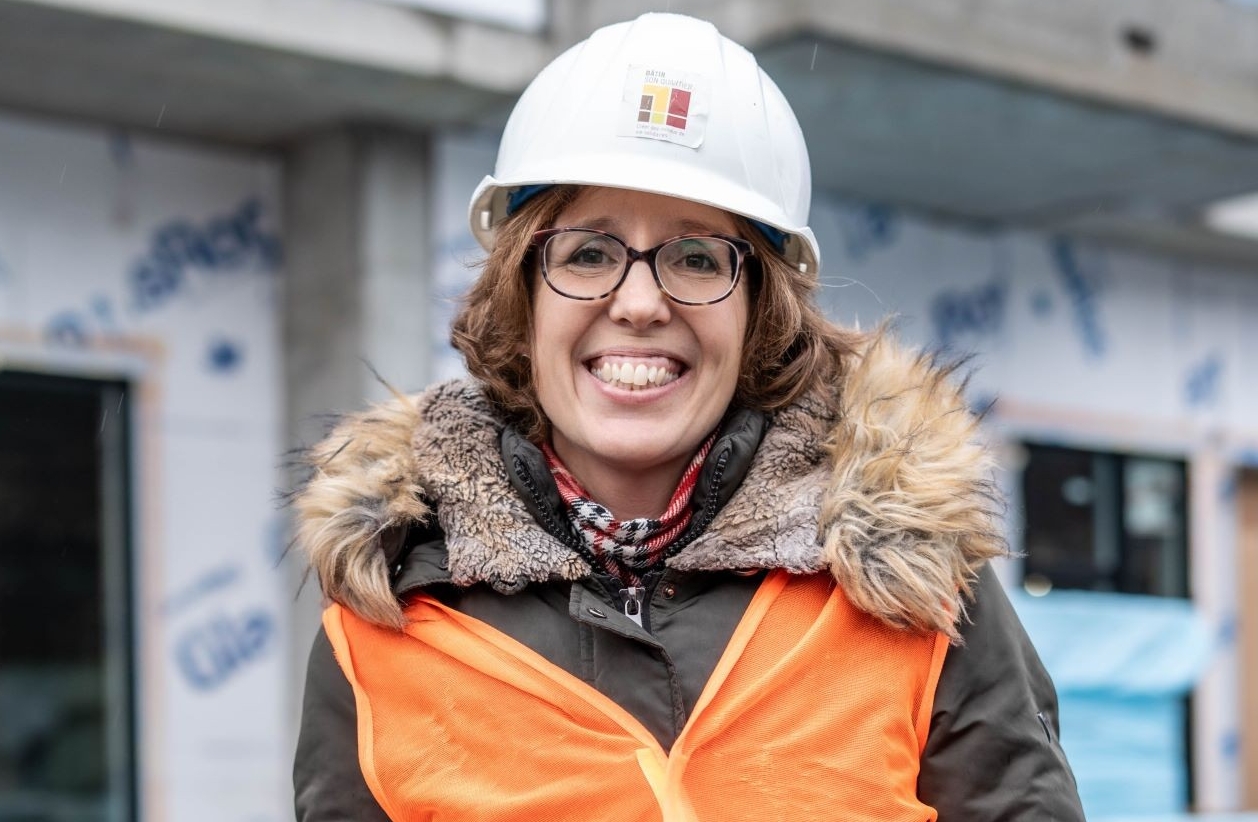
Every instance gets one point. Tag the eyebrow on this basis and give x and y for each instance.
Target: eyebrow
(683, 226)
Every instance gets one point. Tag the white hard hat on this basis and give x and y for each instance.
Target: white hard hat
(663, 104)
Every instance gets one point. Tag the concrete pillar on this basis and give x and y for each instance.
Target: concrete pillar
(357, 233)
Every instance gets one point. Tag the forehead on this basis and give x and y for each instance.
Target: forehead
(622, 210)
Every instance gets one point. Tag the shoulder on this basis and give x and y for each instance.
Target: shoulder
(993, 751)
(377, 475)
(883, 480)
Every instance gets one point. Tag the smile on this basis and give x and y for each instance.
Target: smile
(634, 374)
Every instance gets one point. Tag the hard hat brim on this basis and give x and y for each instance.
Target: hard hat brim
(672, 179)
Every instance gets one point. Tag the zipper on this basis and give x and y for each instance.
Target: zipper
(631, 601)
(635, 601)
(560, 533)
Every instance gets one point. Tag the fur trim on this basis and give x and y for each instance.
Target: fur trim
(370, 481)
(910, 513)
(771, 520)
(888, 489)
(364, 488)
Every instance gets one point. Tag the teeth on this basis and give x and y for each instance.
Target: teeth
(630, 375)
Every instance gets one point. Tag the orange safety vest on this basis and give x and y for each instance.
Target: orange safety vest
(815, 710)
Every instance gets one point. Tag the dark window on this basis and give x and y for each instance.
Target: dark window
(66, 672)
(1104, 522)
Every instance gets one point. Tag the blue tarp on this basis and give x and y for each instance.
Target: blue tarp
(1122, 665)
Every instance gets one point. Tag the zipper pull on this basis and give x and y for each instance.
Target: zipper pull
(632, 600)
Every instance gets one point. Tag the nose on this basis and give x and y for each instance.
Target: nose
(639, 300)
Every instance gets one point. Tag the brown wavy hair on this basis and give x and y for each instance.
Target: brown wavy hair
(790, 350)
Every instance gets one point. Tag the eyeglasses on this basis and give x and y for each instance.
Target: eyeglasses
(693, 269)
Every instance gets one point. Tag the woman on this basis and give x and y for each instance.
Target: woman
(681, 548)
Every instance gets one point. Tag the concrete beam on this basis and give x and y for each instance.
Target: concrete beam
(253, 73)
(364, 34)
(1196, 62)
(271, 70)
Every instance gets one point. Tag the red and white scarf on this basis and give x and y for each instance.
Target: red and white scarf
(627, 548)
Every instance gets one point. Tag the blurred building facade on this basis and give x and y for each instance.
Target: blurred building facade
(217, 220)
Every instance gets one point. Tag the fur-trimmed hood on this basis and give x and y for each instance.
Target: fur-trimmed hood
(888, 489)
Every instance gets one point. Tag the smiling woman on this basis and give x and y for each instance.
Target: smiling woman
(680, 548)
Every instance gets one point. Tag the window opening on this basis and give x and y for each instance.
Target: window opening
(1104, 521)
(66, 666)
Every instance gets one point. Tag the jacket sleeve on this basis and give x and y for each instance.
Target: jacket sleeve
(328, 783)
(993, 751)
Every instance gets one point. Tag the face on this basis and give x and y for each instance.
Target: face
(605, 428)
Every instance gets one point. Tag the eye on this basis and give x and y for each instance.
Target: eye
(697, 257)
(698, 261)
(589, 255)
(583, 252)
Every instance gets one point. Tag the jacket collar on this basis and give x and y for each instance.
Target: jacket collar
(727, 464)
(886, 487)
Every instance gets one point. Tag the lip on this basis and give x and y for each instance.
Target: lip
(634, 396)
(651, 356)
(629, 353)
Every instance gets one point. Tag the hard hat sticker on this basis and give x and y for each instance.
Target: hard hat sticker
(659, 104)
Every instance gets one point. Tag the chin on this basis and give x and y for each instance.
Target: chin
(640, 452)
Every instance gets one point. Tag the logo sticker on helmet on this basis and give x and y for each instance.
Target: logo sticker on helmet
(659, 104)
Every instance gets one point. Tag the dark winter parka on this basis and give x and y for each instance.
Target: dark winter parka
(887, 489)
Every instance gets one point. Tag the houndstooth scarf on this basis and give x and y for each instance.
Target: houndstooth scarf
(628, 548)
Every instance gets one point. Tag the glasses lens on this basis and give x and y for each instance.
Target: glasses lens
(698, 269)
(582, 263)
